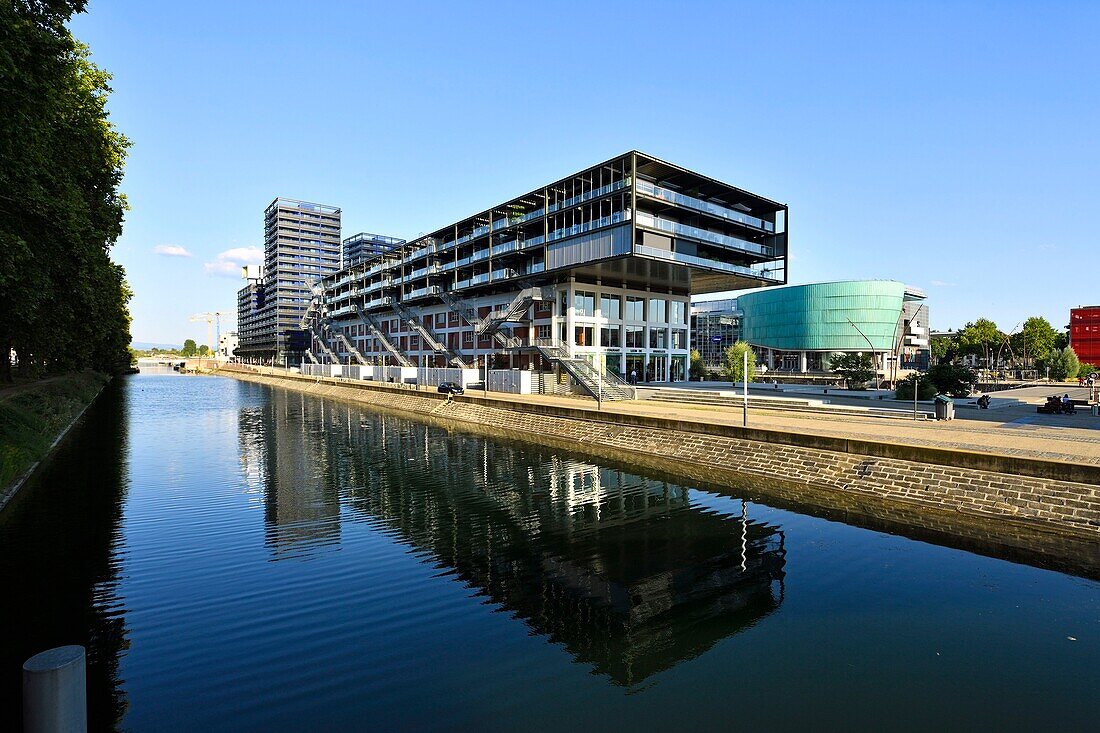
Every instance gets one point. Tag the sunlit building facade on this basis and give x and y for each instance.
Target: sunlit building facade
(593, 274)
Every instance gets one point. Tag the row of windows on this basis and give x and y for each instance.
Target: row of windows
(632, 337)
(658, 310)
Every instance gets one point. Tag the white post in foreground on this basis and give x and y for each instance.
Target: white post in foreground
(54, 691)
(745, 378)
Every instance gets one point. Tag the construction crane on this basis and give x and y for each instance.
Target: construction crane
(211, 318)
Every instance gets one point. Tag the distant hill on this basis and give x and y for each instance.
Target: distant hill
(143, 345)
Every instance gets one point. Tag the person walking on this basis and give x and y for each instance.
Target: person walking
(634, 376)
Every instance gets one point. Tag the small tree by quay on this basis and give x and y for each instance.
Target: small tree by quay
(189, 348)
(855, 369)
(953, 379)
(733, 362)
(1063, 364)
(926, 391)
(697, 370)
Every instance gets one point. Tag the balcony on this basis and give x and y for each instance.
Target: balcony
(595, 193)
(690, 202)
(423, 292)
(722, 240)
(757, 272)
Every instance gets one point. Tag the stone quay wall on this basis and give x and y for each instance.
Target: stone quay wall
(1038, 494)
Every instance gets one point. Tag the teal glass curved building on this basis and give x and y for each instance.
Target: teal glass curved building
(796, 328)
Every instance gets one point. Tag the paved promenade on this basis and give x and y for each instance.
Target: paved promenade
(1014, 431)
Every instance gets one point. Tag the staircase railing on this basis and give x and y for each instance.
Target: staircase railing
(515, 310)
(376, 331)
(430, 337)
(469, 315)
(600, 384)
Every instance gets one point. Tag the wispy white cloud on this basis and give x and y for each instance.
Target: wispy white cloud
(222, 269)
(229, 262)
(171, 250)
(244, 255)
(941, 284)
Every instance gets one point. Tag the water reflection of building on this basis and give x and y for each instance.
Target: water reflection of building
(282, 456)
(625, 572)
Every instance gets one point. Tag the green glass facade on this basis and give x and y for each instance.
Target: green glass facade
(816, 317)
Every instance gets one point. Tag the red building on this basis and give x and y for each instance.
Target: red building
(1084, 333)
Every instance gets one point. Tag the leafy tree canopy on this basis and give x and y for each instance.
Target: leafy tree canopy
(733, 362)
(855, 369)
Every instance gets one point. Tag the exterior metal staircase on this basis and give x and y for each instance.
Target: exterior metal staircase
(349, 346)
(412, 317)
(601, 385)
(375, 331)
(319, 336)
(468, 314)
(514, 311)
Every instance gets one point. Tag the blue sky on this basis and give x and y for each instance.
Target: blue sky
(950, 145)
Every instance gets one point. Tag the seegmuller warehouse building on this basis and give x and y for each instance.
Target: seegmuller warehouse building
(593, 272)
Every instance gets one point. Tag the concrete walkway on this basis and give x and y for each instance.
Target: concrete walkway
(1014, 431)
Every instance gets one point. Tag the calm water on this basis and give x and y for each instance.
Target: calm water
(242, 558)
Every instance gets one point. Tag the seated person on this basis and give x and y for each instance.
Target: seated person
(1067, 405)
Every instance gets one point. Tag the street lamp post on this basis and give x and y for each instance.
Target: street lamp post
(874, 354)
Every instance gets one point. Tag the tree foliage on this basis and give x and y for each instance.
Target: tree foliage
(697, 369)
(980, 338)
(1063, 364)
(733, 363)
(952, 379)
(189, 348)
(64, 302)
(1036, 338)
(855, 369)
(925, 391)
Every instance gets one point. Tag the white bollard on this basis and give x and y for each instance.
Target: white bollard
(54, 691)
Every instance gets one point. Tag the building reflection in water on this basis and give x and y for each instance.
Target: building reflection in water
(626, 573)
(286, 457)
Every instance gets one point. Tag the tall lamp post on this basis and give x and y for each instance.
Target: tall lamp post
(874, 354)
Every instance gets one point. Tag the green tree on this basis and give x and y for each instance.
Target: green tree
(944, 348)
(189, 348)
(980, 338)
(733, 362)
(1036, 338)
(204, 350)
(697, 370)
(64, 303)
(953, 379)
(855, 369)
(1063, 364)
(926, 391)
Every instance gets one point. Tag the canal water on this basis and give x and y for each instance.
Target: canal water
(237, 557)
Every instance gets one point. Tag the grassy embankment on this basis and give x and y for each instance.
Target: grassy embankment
(33, 414)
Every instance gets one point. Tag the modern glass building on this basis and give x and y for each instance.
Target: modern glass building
(796, 328)
(589, 274)
(301, 246)
(363, 246)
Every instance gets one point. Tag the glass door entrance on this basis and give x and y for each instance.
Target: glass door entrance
(635, 364)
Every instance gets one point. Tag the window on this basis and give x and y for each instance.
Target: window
(611, 337)
(468, 339)
(543, 332)
(563, 303)
(584, 303)
(582, 336)
(677, 312)
(635, 337)
(611, 307)
(679, 338)
(635, 308)
(658, 310)
(657, 338)
(562, 332)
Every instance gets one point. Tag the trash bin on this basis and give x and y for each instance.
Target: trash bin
(945, 407)
(1095, 410)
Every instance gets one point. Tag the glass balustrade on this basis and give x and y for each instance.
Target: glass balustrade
(706, 207)
(753, 271)
(695, 232)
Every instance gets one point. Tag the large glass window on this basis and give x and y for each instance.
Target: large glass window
(611, 307)
(657, 338)
(611, 337)
(658, 310)
(584, 303)
(563, 303)
(582, 336)
(635, 308)
(543, 332)
(677, 312)
(635, 337)
(679, 338)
